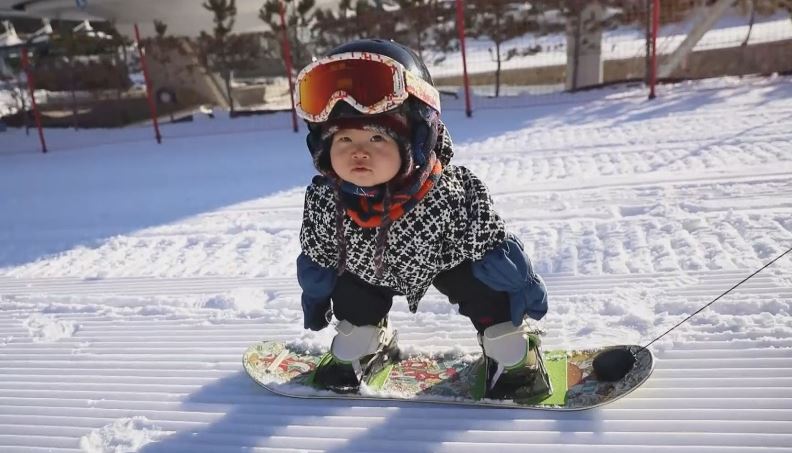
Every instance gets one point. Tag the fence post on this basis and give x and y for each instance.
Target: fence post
(288, 61)
(152, 105)
(32, 88)
(460, 23)
(648, 42)
(655, 26)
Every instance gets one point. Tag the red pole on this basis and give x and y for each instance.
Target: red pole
(288, 60)
(655, 26)
(152, 105)
(460, 23)
(32, 88)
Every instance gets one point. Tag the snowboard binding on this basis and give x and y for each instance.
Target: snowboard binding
(358, 354)
(513, 364)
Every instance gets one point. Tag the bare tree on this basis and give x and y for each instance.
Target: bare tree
(499, 21)
(162, 47)
(299, 18)
(377, 21)
(353, 20)
(445, 36)
(416, 20)
(336, 26)
(71, 42)
(215, 48)
(117, 58)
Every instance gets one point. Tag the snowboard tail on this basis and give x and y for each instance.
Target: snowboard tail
(287, 369)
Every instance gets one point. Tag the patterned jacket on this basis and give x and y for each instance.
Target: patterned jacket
(454, 222)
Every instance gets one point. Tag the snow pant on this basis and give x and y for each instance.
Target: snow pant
(361, 303)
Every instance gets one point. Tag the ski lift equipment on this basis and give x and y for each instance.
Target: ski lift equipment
(43, 33)
(11, 42)
(83, 26)
(9, 37)
(86, 28)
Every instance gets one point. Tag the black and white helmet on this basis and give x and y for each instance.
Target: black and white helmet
(423, 120)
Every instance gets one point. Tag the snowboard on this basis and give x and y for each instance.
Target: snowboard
(287, 369)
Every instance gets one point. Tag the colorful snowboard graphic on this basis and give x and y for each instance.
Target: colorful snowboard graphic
(287, 370)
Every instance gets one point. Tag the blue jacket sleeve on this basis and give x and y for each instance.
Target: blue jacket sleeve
(507, 268)
(317, 283)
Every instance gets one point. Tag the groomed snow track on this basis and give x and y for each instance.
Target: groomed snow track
(714, 393)
(128, 336)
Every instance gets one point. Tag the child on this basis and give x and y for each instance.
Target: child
(390, 215)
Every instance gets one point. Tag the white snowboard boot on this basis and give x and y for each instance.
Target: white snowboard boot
(356, 353)
(513, 362)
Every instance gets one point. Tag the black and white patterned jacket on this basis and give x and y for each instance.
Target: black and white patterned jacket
(454, 222)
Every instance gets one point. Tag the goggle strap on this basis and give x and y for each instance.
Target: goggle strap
(422, 90)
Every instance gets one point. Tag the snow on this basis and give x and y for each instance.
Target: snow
(133, 276)
(123, 435)
(47, 329)
(622, 42)
(7, 101)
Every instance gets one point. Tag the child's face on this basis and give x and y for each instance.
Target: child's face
(364, 158)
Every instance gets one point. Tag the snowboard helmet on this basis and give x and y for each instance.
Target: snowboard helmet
(362, 80)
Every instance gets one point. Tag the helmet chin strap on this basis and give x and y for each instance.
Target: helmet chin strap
(368, 192)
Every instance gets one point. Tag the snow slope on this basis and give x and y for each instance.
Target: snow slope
(132, 277)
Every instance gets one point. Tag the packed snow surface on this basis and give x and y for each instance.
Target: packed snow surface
(133, 276)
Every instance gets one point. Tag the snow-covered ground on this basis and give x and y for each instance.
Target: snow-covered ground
(133, 275)
(7, 101)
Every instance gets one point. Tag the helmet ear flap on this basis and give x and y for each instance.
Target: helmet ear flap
(424, 124)
(319, 148)
(314, 139)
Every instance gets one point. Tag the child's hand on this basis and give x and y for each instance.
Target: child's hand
(317, 283)
(530, 301)
(315, 312)
(507, 268)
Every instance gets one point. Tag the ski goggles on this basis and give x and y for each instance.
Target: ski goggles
(369, 82)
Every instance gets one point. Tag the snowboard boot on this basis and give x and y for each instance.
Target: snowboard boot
(358, 354)
(513, 363)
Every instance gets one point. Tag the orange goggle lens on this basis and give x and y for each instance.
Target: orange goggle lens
(367, 81)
